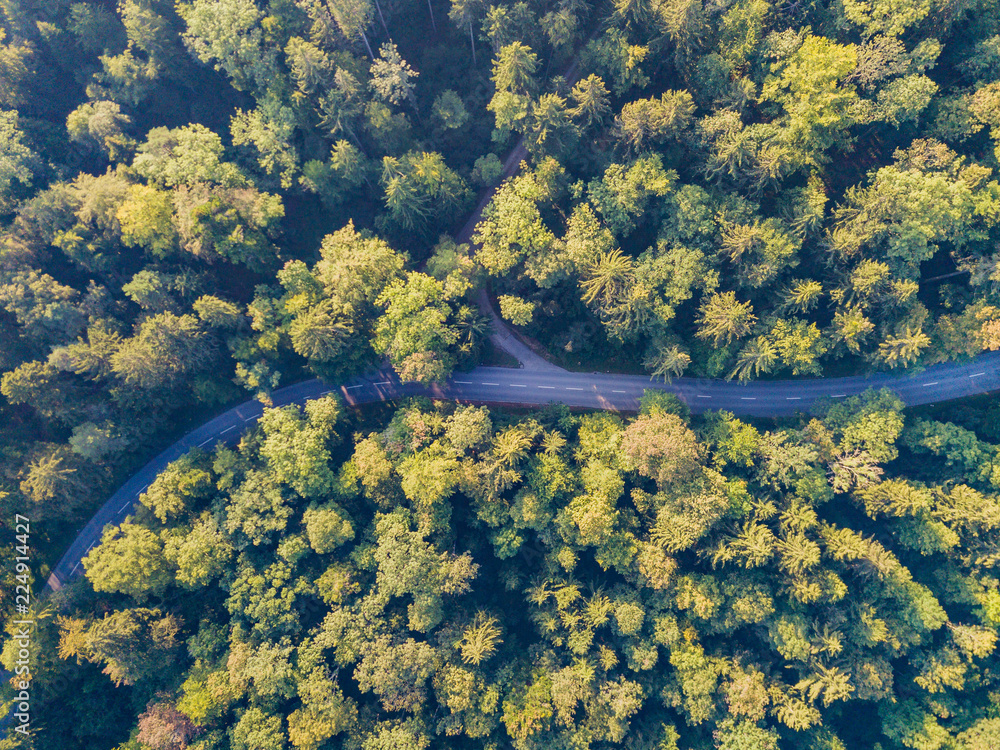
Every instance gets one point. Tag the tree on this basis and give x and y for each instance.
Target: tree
(392, 77)
(257, 729)
(648, 121)
(667, 362)
(409, 566)
(133, 644)
(661, 447)
(903, 349)
(98, 124)
(818, 107)
(450, 110)
(414, 330)
(229, 33)
(270, 129)
(464, 13)
(166, 349)
(163, 727)
(129, 560)
(295, 446)
(550, 129)
(480, 639)
(514, 70)
(146, 220)
(591, 106)
(182, 156)
(722, 318)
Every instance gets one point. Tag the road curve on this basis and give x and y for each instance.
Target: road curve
(496, 385)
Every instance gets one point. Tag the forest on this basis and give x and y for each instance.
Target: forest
(447, 576)
(204, 200)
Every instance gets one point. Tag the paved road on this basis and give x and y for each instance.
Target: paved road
(495, 385)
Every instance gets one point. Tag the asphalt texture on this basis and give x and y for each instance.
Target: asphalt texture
(537, 387)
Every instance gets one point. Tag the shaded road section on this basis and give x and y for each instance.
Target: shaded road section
(537, 387)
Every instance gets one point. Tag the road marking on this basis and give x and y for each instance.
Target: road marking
(352, 387)
(141, 491)
(384, 382)
(619, 391)
(748, 398)
(203, 443)
(977, 375)
(228, 429)
(574, 389)
(75, 567)
(703, 397)
(518, 385)
(91, 546)
(462, 382)
(839, 395)
(928, 385)
(547, 387)
(250, 419)
(125, 506)
(793, 398)
(489, 384)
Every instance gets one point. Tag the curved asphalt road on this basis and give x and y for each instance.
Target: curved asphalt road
(496, 385)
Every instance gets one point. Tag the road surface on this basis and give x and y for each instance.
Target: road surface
(537, 387)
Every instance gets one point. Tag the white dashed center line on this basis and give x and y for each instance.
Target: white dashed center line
(619, 391)
(125, 506)
(462, 382)
(228, 429)
(793, 398)
(928, 385)
(547, 387)
(489, 384)
(748, 398)
(74, 568)
(384, 382)
(977, 375)
(703, 397)
(838, 395)
(203, 443)
(352, 387)
(574, 389)
(517, 385)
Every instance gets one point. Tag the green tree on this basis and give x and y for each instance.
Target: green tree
(129, 560)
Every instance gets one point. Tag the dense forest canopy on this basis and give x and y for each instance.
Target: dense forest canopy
(453, 577)
(205, 199)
